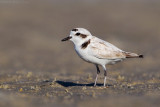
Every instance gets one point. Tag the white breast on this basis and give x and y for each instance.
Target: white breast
(83, 53)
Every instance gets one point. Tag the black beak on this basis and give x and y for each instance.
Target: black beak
(67, 38)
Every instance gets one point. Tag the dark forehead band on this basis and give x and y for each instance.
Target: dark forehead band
(75, 30)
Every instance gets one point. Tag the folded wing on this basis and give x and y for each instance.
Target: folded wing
(104, 50)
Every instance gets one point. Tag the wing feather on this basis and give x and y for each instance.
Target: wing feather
(104, 50)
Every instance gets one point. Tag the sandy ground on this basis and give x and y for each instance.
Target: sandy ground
(37, 69)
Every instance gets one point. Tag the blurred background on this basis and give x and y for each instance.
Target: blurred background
(31, 50)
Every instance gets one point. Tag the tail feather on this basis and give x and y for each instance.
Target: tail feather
(132, 55)
(140, 56)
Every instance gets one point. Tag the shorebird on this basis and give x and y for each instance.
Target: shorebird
(97, 51)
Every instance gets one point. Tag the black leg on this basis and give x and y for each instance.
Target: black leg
(105, 75)
(98, 71)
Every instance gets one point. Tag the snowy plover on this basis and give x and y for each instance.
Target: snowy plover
(97, 51)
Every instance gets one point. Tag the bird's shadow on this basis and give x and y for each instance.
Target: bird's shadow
(70, 84)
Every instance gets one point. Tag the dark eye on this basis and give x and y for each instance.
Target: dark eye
(78, 34)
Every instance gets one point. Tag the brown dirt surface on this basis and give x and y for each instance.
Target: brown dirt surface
(37, 69)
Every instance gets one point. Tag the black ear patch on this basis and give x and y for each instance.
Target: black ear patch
(75, 30)
(78, 34)
(83, 35)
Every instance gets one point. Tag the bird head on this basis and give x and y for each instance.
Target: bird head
(78, 35)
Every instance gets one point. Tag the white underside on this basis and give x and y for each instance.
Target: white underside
(83, 53)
